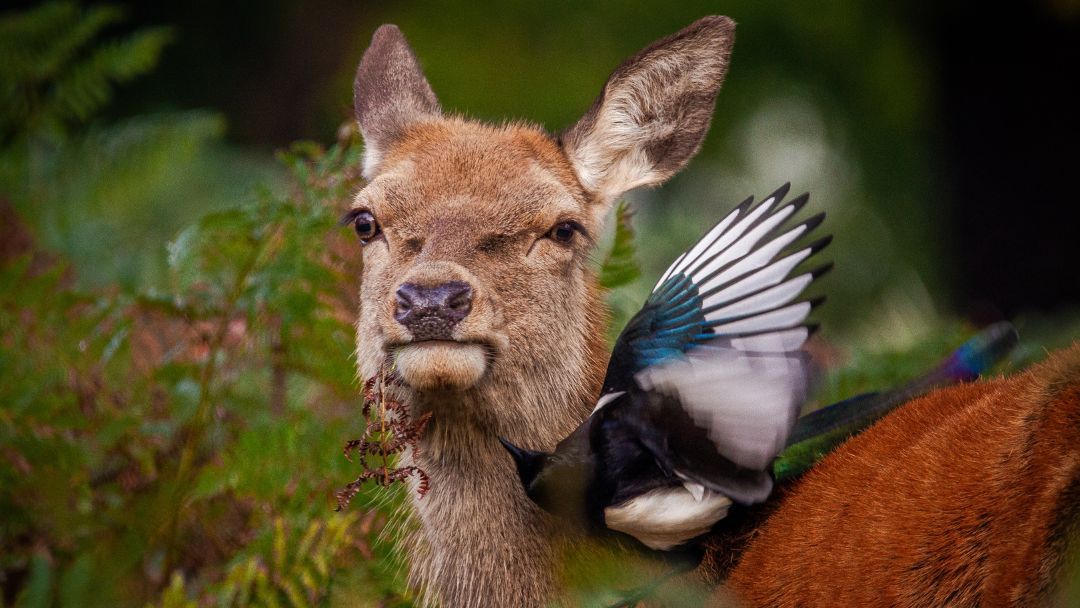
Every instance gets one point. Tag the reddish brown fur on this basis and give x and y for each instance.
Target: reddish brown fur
(965, 497)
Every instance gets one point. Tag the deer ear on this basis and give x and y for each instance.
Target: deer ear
(653, 112)
(389, 93)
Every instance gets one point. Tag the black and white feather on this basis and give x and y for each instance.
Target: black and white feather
(734, 283)
(703, 388)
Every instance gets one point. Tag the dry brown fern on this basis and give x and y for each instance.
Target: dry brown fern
(388, 432)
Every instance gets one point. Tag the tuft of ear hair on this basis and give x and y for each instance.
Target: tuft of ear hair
(653, 112)
(389, 93)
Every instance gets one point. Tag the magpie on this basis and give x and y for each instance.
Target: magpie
(704, 386)
(702, 390)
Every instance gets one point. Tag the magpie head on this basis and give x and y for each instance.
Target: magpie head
(529, 464)
(558, 482)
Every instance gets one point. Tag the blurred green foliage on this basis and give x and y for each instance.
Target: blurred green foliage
(620, 269)
(189, 436)
(171, 417)
(91, 190)
(620, 266)
(179, 443)
(58, 74)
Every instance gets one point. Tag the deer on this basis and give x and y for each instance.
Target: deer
(476, 291)
(476, 286)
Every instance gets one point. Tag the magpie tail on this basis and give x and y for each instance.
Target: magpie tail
(818, 432)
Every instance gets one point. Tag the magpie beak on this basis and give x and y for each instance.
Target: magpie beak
(529, 463)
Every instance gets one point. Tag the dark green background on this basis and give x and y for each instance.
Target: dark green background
(938, 136)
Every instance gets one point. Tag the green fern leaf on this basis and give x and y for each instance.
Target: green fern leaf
(70, 32)
(88, 85)
(620, 267)
(54, 73)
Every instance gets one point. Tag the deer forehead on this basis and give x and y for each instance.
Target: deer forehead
(508, 179)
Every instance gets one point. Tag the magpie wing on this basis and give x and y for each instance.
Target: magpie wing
(820, 431)
(719, 415)
(733, 283)
(714, 360)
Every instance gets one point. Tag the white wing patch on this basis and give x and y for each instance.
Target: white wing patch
(667, 517)
(606, 399)
(747, 402)
(715, 275)
(694, 252)
(744, 287)
(776, 319)
(721, 257)
(731, 238)
(773, 342)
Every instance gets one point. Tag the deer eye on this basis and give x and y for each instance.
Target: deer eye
(563, 232)
(365, 225)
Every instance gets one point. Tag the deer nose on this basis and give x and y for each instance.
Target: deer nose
(430, 313)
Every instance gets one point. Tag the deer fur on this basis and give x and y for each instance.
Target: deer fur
(460, 200)
(965, 497)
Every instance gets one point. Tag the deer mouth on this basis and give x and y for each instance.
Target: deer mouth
(440, 365)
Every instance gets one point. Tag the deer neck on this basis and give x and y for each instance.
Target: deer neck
(479, 543)
(480, 540)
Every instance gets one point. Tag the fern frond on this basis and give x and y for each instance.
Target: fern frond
(55, 74)
(68, 37)
(620, 266)
(87, 85)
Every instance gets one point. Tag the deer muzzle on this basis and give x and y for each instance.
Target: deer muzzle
(437, 357)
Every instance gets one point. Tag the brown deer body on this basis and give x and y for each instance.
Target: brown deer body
(965, 497)
(476, 290)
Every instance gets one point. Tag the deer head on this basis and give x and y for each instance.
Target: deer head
(475, 282)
